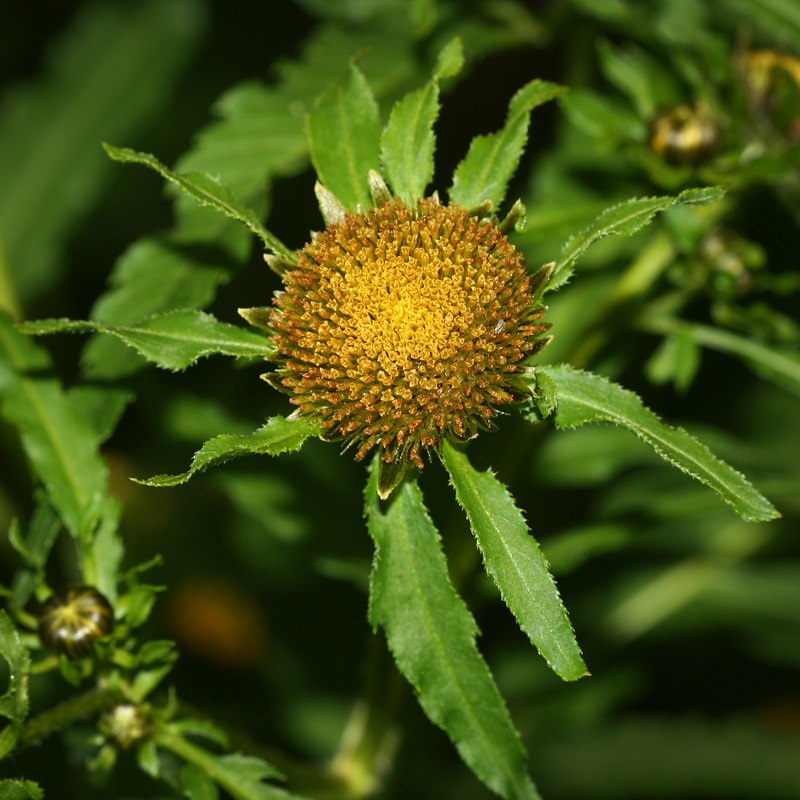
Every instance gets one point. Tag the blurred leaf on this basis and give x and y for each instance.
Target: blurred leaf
(676, 360)
(205, 190)
(584, 397)
(512, 557)
(196, 784)
(648, 82)
(60, 445)
(625, 219)
(110, 73)
(344, 135)
(43, 530)
(408, 142)
(279, 435)
(492, 160)
(779, 364)
(101, 406)
(778, 18)
(607, 121)
(655, 757)
(174, 340)
(432, 637)
(20, 790)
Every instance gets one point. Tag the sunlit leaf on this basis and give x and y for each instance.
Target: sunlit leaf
(512, 557)
(584, 397)
(432, 637)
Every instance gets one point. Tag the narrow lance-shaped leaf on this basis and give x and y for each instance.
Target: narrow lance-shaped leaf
(279, 435)
(584, 397)
(344, 135)
(492, 160)
(432, 637)
(625, 219)
(61, 446)
(174, 340)
(205, 190)
(513, 558)
(408, 142)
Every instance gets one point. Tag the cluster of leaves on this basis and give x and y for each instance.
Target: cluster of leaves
(694, 571)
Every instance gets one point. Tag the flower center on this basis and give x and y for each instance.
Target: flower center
(401, 310)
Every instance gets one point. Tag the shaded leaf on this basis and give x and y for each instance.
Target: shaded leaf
(491, 161)
(432, 637)
(205, 190)
(344, 135)
(779, 364)
(584, 397)
(173, 340)
(512, 557)
(279, 435)
(59, 443)
(109, 74)
(625, 219)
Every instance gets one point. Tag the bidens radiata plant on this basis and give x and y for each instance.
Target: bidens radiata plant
(407, 325)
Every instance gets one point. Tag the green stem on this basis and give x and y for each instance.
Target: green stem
(9, 301)
(372, 734)
(88, 704)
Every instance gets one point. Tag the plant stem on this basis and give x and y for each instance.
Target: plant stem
(371, 736)
(47, 723)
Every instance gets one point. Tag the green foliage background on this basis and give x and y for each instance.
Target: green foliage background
(687, 615)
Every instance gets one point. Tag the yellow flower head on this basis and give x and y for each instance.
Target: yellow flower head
(400, 326)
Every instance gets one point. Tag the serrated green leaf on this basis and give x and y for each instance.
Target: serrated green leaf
(109, 74)
(20, 790)
(408, 143)
(432, 637)
(205, 190)
(279, 435)
(174, 340)
(625, 219)
(152, 276)
(513, 559)
(450, 60)
(60, 445)
(344, 135)
(491, 160)
(14, 703)
(584, 397)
